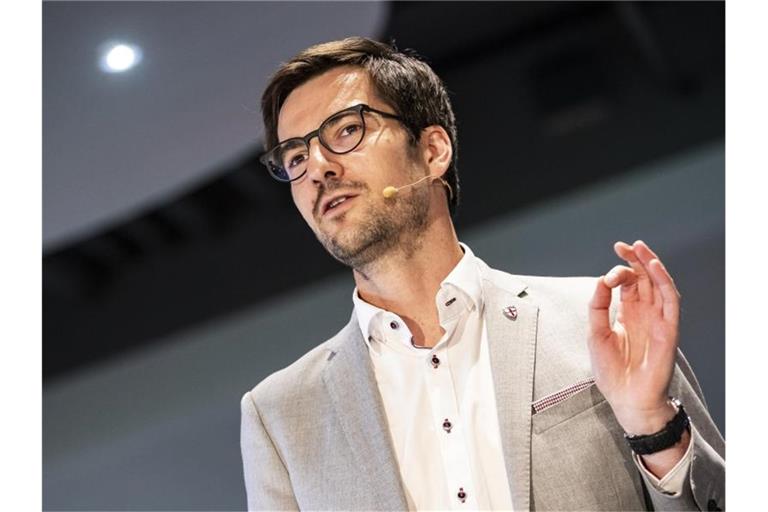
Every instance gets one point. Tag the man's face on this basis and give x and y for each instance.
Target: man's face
(366, 225)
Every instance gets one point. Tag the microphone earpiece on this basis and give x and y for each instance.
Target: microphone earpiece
(389, 192)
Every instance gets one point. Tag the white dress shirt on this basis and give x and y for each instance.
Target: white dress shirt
(440, 402)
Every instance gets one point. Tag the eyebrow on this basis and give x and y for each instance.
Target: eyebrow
(332, 121)
(326, 118)
(294, 141)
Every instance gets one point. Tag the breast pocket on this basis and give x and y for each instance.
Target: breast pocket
(568, 403)
(579, 459)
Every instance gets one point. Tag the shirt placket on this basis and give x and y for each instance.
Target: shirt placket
(450, 431)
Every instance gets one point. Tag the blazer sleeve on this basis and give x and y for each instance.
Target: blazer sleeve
(267, 482)
(704, 487)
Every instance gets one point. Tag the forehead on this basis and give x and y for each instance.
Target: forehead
(312, 102)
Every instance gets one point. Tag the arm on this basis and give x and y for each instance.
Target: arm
(704, 483)
(267, 482)
(633, 360)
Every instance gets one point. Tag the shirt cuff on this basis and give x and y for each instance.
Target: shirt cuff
(671, 483)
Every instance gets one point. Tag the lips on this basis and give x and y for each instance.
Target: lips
(330, 204)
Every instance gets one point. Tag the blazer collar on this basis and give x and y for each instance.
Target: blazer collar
(352, 387)
(511, 321)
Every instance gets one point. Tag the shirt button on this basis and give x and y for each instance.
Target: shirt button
(447, 425)
(394, 325)
(435, 361)
(462, 495)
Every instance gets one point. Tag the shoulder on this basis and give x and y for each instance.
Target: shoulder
(299, 381)
(562, 305)
(543, 291)
(562, 324)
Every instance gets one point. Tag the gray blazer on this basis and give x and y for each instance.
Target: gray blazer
(314, 435)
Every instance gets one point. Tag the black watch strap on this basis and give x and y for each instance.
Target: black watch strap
(666, 437)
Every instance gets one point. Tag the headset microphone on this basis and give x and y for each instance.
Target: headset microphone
(392, 191)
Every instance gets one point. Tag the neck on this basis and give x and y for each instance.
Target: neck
(406, 280)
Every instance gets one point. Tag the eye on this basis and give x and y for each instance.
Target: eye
(296, 160)
(343, 127)
(350, 129)
(293, 156)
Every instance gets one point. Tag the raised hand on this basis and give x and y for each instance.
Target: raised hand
(634, 358)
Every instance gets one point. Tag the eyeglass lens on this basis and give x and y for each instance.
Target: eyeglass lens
(340, 134)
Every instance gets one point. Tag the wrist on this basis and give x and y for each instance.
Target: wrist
(660, 463)
(645, 421)
(667, 437)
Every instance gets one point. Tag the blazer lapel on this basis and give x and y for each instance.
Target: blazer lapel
(511, 323)
(357, 403)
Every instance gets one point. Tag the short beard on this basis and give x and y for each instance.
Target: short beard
(393, 227)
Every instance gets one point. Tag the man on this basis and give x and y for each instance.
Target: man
(456, 386)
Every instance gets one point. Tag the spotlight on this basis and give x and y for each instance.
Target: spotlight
(119, 57)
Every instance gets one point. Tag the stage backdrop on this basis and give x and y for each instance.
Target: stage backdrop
(160, 429)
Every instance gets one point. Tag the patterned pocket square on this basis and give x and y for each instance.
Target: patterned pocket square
(558, 396)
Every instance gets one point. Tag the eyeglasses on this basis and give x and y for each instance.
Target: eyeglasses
(341, 133)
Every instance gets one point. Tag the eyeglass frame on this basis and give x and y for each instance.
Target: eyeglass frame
(360, 108)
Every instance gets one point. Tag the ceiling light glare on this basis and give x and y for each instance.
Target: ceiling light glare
(120, 57)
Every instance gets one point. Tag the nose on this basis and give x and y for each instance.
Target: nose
(321, 164)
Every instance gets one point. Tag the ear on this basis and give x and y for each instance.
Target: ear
(436, 149)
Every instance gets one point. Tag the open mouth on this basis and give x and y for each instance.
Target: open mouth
(337, 204)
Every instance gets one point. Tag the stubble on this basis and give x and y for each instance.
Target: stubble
(385, 227)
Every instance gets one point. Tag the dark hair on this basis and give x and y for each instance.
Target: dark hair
(400, 78)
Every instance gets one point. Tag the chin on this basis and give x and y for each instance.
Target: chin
(373, 231)
(354, 248)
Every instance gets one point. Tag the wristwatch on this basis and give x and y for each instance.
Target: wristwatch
(664, 438)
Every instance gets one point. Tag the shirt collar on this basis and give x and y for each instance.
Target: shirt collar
(462, 283)
(365, 313)
(465, 278)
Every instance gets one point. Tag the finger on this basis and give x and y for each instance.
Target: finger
(658, 301)
(599, 321)
(670, 297)
(646, 256)
(644, 252)
(644, 285)
(627, 279)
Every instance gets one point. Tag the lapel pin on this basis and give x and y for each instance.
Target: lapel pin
(510, 312)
